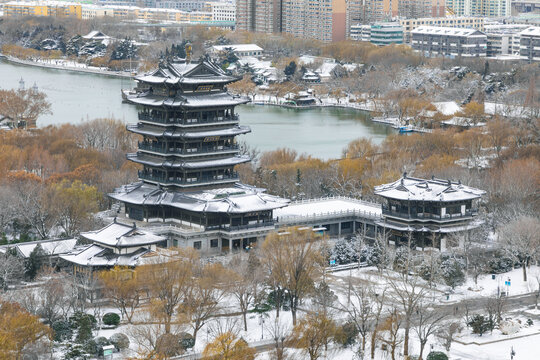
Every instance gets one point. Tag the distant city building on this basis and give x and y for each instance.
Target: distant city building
(386, 33)
(488, 8)
(184, 5)
(50, 8)
(525, 6)
(452, 21)
(315, 19)
(312, 19)
(240, 50)
(264, 16)
(221, 11)
(268, 16)
(451, 42)
(245, 15)
(370, 11)
(504, 39)
(90, 11)
(360, 32)
(363, 12)
(141, 3)
(530, 44)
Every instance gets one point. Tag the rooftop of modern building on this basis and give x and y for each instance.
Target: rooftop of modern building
(532, 31)
(235, 199)
(449, 31)
(436, 190)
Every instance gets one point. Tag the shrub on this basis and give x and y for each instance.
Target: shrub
(345, 252)
(500, 263)
(112, 319)
(79, 317)
(84, 332)
(62, 331)
(452, 271)
(187, 340)
(479, 324)
(120, 341)
(346, 334)
(437, 355)
(91, 347)
(75, 352)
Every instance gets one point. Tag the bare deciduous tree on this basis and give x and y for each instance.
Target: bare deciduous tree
(521, 241)
(293, 258)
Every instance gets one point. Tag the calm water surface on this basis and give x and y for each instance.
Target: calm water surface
(76, 97)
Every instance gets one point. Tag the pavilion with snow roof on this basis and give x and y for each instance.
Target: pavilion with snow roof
(420, 209)
(117, 244)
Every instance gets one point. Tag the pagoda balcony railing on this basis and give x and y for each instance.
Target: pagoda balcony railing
(197, 181)
(194, 151)
(230, 228)
(187, 122)
(428, 216)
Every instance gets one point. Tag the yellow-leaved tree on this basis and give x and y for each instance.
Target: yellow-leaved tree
(122, 287)
(19, 330)
(227, 346)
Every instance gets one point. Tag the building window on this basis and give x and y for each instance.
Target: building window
(197, 245)
(214, 243)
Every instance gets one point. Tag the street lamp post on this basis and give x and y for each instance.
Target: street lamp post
(262, 326)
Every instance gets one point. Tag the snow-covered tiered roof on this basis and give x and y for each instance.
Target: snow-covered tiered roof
(236, 199)
(98, 256)
(439, 190)
(183, 72)
(193, 100)
(182, 164)
(151, 130)
(121, 235)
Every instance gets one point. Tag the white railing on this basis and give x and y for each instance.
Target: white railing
(329, 215)
(337, 197)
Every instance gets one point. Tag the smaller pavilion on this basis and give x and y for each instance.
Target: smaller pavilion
(425, 211)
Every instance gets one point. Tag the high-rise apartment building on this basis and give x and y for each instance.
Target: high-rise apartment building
(363, 12)
(263, 16)
(245, 15)
(323, 20)
(371, 11)
(268, 16)
(488, 8)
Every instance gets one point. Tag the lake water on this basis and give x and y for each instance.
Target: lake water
(76, 97)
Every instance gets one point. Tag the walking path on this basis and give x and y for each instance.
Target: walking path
(63, 65)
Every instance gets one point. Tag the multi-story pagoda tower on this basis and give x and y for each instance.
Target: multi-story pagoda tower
(188, 152)
(188, 125)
